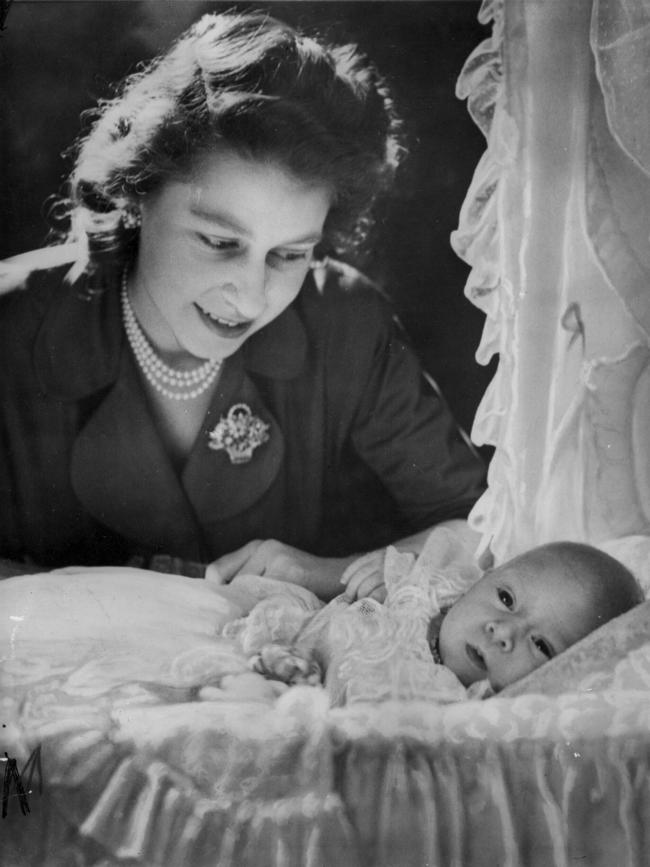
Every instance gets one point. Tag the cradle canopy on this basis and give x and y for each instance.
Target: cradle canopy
(556, 227)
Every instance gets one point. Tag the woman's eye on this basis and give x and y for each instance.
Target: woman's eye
(223, 245)
(288, 257)
(506, 598)
(543, 647)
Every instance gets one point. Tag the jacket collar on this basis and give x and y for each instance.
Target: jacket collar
(80, 343)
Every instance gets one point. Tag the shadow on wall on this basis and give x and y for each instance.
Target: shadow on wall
(57, 58)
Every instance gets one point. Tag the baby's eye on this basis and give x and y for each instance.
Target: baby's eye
(506, 597)
(544, 647)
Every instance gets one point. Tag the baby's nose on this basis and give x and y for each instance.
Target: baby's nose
(501, 634)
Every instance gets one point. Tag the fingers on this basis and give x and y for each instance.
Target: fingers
(275, 559)
(365, 577)
(364, 581)
(223, 570)
(264, 557)
(363, 562)
(368, 586)
(213, 576)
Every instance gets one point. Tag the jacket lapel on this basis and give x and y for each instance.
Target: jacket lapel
(122, 475)
(217, 487)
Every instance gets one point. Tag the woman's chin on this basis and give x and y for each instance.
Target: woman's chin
(199, 349)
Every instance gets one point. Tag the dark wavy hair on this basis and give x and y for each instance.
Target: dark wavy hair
(254, 84)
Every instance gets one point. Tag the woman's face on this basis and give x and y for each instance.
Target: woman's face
(222, 252)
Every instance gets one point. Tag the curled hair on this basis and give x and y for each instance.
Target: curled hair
(256, 85)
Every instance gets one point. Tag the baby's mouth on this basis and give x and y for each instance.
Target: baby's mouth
(475, 657)
(223, 326)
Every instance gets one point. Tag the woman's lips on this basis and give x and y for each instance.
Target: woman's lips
(227, 328)
(475, 657)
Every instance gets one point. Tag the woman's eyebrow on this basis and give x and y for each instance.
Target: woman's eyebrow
(227, 221)
(312, 238)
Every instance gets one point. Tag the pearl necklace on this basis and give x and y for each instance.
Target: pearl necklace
(188, 384)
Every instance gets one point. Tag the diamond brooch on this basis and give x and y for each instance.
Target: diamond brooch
(239, 433)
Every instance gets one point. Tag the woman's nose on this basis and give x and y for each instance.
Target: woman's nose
(246, 292)
(502, 634)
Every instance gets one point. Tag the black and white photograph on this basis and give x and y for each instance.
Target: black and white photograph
(324, 411)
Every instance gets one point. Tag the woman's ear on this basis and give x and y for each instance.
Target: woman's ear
(131, 216)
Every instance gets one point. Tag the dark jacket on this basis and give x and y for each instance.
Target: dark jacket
(361, 449)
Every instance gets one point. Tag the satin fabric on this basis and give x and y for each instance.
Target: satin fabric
(555, 226)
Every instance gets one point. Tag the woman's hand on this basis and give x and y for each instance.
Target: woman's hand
(321, 575)
(356, 576)
(365, 577)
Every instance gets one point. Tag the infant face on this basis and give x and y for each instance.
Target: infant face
(513, 620)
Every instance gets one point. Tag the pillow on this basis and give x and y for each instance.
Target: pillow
(615, 656)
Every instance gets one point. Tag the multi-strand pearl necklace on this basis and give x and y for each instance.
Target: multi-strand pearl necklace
(171, 383)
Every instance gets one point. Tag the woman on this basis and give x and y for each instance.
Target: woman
(207, 380)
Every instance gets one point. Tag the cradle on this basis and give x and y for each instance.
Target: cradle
(554, 773)
(137, 769)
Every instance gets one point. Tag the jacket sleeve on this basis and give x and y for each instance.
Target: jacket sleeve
(401, 426)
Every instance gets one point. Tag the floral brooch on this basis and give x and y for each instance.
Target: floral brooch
(239, 433)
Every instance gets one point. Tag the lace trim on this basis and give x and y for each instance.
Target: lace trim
(477, 241)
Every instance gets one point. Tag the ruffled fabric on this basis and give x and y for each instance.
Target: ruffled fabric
(555, 227)
(185, 757)
(533, 780)
(370, 651)
(195, 784)
(478, 241)
(620, 32)
(512, 798)
(378, 652)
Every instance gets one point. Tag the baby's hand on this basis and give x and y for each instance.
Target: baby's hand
(285, 663)
(365, 577)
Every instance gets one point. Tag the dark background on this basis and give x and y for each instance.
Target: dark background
(57, 58)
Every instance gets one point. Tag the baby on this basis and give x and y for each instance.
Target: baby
(512, 620)
(530, 609)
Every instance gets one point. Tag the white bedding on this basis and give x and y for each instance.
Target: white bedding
(160, 745)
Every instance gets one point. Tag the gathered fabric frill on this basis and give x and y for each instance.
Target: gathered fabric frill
(555, 227)
(157, 745)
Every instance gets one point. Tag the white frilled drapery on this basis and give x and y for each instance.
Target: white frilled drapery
(556, 227)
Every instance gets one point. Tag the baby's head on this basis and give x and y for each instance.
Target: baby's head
(522, 614)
